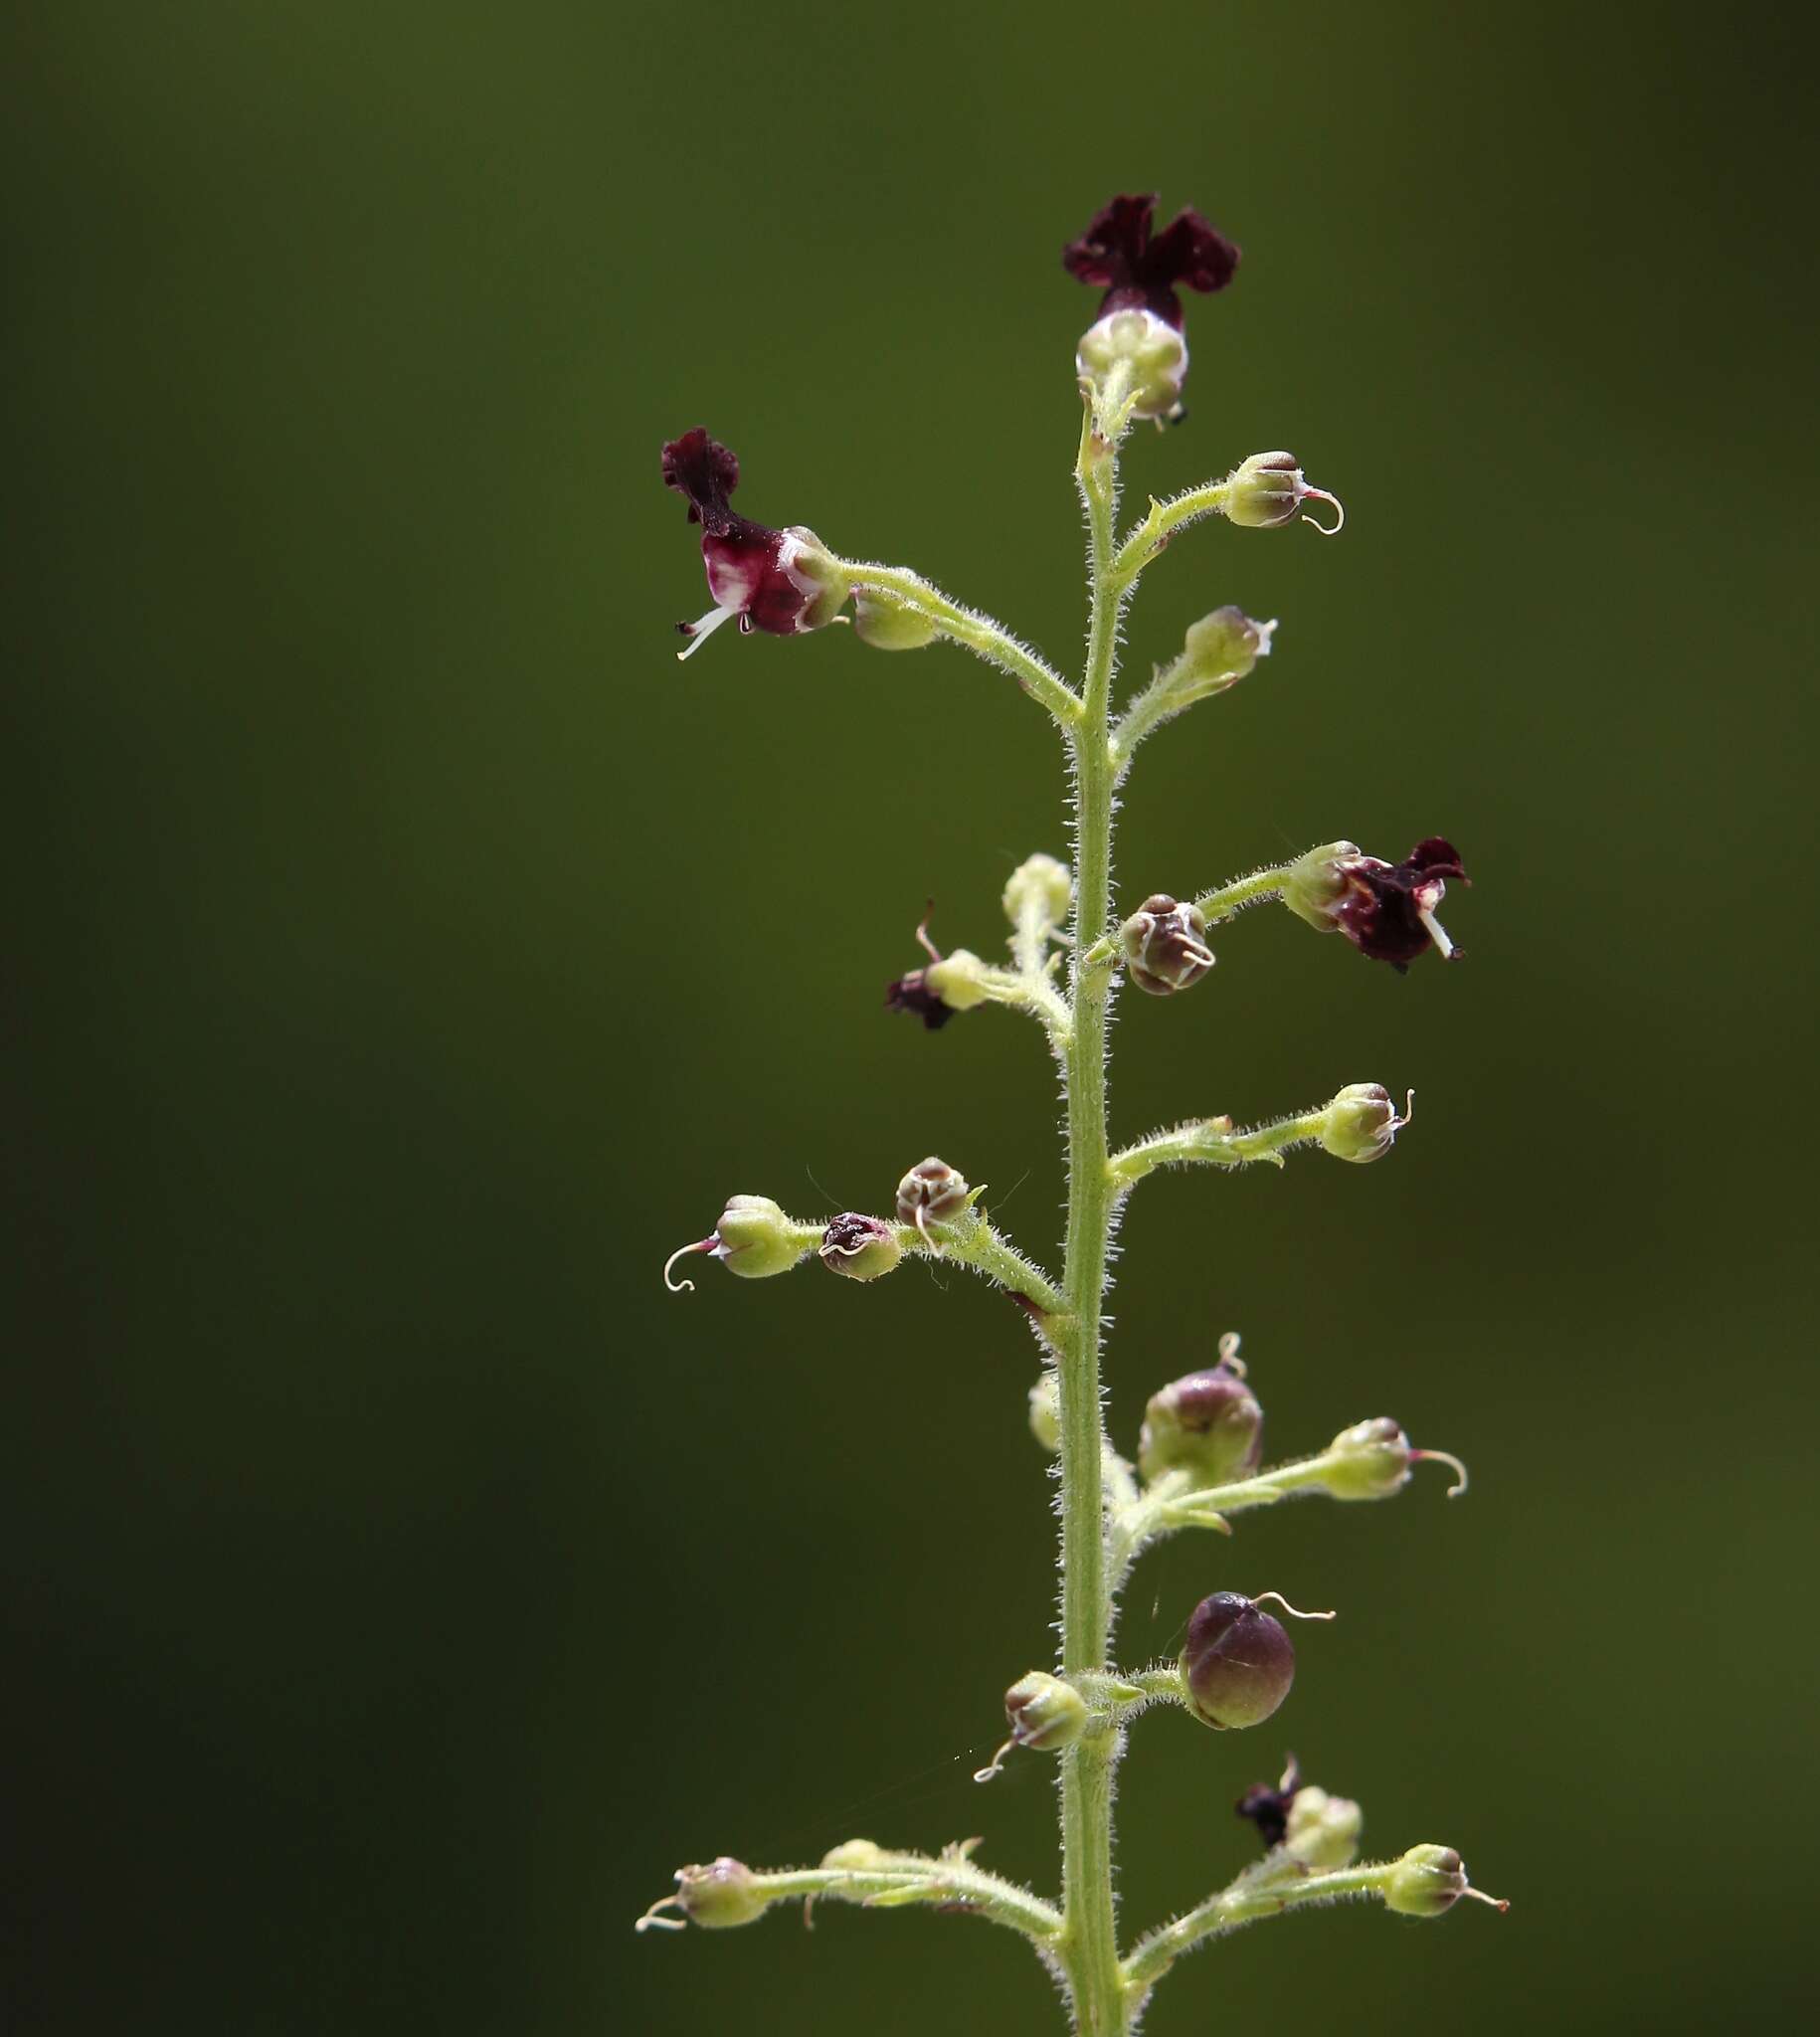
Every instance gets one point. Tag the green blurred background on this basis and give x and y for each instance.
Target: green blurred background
(404, 955)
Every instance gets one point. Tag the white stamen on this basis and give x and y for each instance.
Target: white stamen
(1445, 1457)
(997, 1764)
(706, 1244)
(1290, 1609)
(1437, 932)
(1321, 495)
(699, 632)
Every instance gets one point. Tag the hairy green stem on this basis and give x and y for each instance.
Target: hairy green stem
(977, 632)
(1089, 1945)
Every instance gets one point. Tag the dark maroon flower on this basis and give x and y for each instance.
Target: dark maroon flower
(1386, 910)
(935, 993)
(912, 994)
(1140, 317)
(1140, 270)
(1165, 945)
(1269, 1808)
(777, 580)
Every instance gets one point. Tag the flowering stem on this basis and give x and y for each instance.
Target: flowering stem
(1161, 524)
(978, 634)
(905, 1878)
(1213, 907)
(1089, 1943)
(1211, 1141)
(1250, 1897)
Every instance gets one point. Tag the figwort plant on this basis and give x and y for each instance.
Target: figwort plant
(1199, 1451)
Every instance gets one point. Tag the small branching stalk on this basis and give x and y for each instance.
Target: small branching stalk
(1199, 1462)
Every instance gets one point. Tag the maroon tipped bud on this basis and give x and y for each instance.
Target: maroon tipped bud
(1237, 1664)
(1208, 1423)
(859, 1247)
(1165, 945)
(782, 581)
(1141, 271)
(931, 1192)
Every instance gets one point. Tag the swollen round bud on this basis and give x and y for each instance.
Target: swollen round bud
(859, 1247)
(1219, 652)
(1322, 1831)
(1369, 1461)
(1153, 351)
(1043, 1712)
(1361, 1124)
(1041, 887)
(1045, 1412)
(1165, 945)
(930, 1194)
(1208, 1423)
(958, 979)
(1237, 1664)
(756, 1238)
(720, 1894)
(1269, 489)
(1426, 1882)
(888, 622)
(857, 1856)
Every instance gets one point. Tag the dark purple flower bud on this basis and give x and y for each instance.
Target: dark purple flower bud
(1208, 1423)
(782, 580)
(1269, 1808)
(1165, 945)
(1140, 316)
(1237, 1664)
(1386, 910)
(860, 1247)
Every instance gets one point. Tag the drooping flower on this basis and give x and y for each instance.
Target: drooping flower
(1386, 910)
(782, 580)
(1142, 274)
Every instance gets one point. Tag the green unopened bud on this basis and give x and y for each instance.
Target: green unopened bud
(1219, 652)
(1372, 1460)
(1322, 1831)
(1153, 350)
(1165, 945)
(1041, 889)
(934, 1198)
(1428, 1881)
(1315, 882)
(1045, 1412)
(1208, 1423)
(1361, 1123)
(753, 1238)
(857, 1856)
(1269, 489)
(888, 622)
(859, 1247)
(1044, 1712)
(720, 1894)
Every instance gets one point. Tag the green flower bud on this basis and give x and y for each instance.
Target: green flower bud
(934, 1198)
(859, 1247)
(720, 1894)
(1045, 1412)
(1219, 652)
(1043, 1712)
(753, 1238)
(1322, 1831)
(1156, 353)
(888, 622)
(1040, 886)
(1372, 1459)
(1165, 945)
(1428, 1881)
(1269, 489)
(857, 1856)
(1208, 1423)
(1361, 1123)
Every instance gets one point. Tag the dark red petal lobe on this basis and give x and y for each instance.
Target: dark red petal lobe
(1118, 253)
(706, 473)
(1269, 1808)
